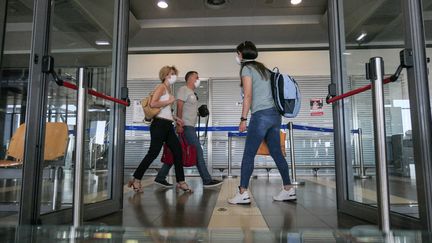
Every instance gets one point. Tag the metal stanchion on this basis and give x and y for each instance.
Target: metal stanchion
(229, 156)
(375, 72)
(292, 156)
(362, 173)
(79, 158)
(58, 174)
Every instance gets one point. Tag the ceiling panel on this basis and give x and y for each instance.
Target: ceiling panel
(197, 8)
(191, 24)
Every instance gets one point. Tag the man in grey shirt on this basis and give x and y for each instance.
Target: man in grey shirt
(187, 107)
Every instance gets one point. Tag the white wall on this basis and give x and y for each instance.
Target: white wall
(209, 65)
(296, 63)
(303, 63)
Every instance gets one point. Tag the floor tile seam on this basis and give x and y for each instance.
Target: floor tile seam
(327, 222)
(228, 186)
(306, 210)
(264, 216)
(325, 194)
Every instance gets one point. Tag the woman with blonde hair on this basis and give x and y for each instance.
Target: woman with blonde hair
(162, 131)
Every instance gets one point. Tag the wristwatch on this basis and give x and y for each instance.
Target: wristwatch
(243, 119)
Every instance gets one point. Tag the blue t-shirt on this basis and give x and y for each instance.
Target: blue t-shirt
(261, 89)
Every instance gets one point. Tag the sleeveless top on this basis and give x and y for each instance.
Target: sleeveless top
(165, 112)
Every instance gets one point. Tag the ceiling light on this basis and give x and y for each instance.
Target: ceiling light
(102, 43)
(295, 2)
(361, 37)
(216, 4)
(162, 4)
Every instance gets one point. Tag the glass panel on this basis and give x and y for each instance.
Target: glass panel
(14, 72)
(368, 35)
(427, 8)
(81, 36)
(126, 234)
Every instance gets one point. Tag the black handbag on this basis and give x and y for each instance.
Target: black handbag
(203, 112)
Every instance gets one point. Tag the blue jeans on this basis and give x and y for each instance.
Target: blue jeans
(191, 138)
(264, 124)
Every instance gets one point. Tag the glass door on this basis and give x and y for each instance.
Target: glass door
(81, 35)
(75, 34)
(15, 44)
(379, 34)
(371, 29)
(427, 8)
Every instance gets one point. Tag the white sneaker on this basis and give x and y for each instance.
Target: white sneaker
(285, 195)
(240, 198)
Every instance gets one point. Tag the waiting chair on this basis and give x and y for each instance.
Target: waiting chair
(56, 142)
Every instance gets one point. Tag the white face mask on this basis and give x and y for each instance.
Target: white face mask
(197, 83)
(173, 79)
(238, 60)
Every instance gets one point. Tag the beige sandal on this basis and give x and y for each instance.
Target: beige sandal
(184, 187)
(136, 186)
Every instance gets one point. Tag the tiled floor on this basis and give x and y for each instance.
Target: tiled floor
(207, 208)
(158, 207)
(315, 207)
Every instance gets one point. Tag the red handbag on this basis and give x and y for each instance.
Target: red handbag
(189, 153)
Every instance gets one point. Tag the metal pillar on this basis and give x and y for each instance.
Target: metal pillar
(35, 117)
(3, 20)
(78, 202)
(375, 72)
(118, 112)
(292, 156)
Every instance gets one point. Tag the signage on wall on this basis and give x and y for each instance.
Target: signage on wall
(316, 107)
(138, 113)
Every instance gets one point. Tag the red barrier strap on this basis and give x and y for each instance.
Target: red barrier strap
(97, 94)
(355, 91)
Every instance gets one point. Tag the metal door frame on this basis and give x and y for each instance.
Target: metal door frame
(36, 116)
(3, 21)
(420, 116)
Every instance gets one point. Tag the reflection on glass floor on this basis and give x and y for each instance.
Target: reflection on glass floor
(95, 190)
(164, 215)
(207, 208)
(56, 234)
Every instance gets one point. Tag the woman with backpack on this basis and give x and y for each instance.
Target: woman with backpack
(162, 131)
(264, 124)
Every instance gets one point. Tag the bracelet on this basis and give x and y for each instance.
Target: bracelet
(243, 119)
